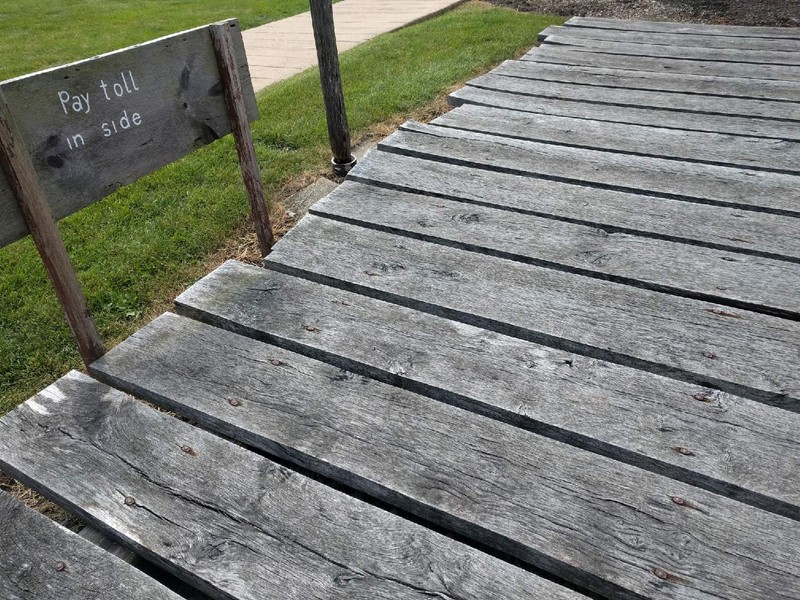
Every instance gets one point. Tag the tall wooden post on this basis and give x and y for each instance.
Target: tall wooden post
(229, 72)
(331, 80)
(21, 176)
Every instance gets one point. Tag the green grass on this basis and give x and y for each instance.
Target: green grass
(45, 33)
(132, 249)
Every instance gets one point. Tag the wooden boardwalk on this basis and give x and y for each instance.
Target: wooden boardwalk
(546, 346)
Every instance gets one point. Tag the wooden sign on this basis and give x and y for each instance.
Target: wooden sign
(95, 125)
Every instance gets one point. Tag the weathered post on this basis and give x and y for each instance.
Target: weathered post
(331, 79)
(21, 176)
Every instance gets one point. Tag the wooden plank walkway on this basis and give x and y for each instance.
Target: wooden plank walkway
(543, 347)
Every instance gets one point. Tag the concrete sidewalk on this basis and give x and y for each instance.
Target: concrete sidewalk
(282, 48)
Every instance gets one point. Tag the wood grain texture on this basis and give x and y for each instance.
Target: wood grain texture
(567, 55)
(552, 505)
(331, 80)
(727, 229)
(506, 94)
(746, 354)
(236, 101)
(743, 107)
(673, 39)
(791, 33)
(234, 524)
(179, 99)
(709, 184)
(40, 560)
(737, 280)
(707, 85)
(702, 53)
(31, 202)
(711, 148)
(738, 447)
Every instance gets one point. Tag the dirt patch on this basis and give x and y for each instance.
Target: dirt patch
(775, 13)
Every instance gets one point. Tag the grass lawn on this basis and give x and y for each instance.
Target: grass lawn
(46, 33)
(140, 246)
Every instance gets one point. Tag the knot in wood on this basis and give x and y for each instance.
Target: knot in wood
(702, 398)
(709, 355)
(660, 573)
(188, 450)
(684, 451)
(234, 402)
(679, 501)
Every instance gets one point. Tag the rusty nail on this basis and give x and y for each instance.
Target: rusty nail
(130, 501)
(660, 573)
(61, 566)
(684, 451)
(234, 402)
(709, 355)
(702, 398)
(276, 362)
(188, 450)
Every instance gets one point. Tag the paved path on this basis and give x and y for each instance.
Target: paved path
(283, 48)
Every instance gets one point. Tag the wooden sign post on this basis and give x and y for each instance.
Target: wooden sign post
(331, 79)
(70, 136)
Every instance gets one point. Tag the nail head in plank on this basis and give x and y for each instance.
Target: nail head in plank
(711, 148)
(711, 184)
(739, 448)
(554, 505)
(232, 523)
(738, 280)
(637, 115)
(729, 229)
(40, 560)
(705, 85)
(678, 337)
(566, 55)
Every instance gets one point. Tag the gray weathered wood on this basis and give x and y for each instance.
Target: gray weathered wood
(711, 184)
(711, 148)
(738, 280)
(740, 352)
(567, 55)
(655, 50)
(728, 229)
(739, 448)
(707, 85)
(233, 523)
(792, 33)
(30, 200)
(658, 117)
(40, 560)
(236, 101)
(743, 107)
(331, 81)
(179, 100)
(553, 505)
(673, 39)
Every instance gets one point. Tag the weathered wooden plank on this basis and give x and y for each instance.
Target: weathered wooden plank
(725, 186)
(791, 33)
(658, 117)
(743, 107)
(741, 352)
(566, 55)
(673, 39)
(710, 148)
(552, 505)
(737, 280)
(40, 560)
(733, 441)
(708, 85)
(728, 229)
(654, 50)
(233, 523)
(96, 125)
